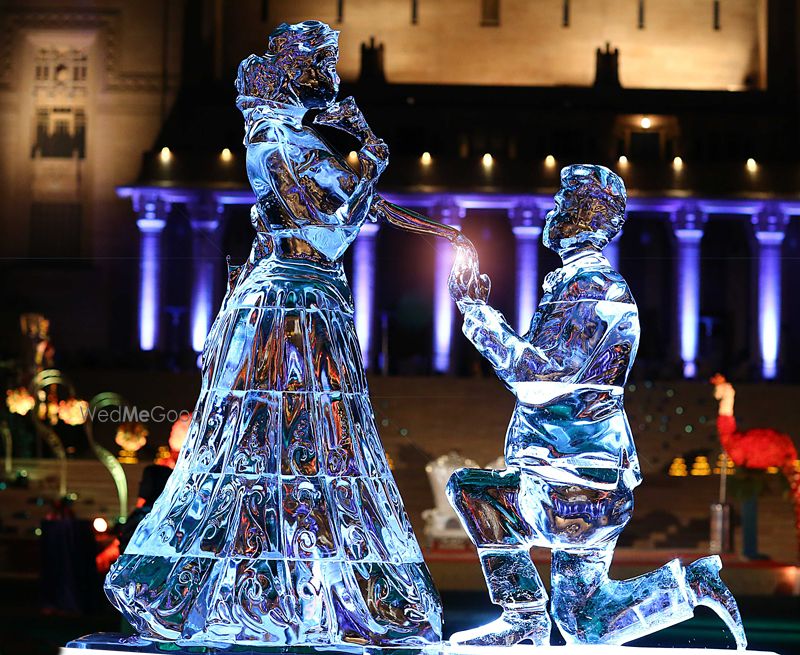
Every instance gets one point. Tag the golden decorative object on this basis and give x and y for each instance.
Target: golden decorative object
(131, 436)
(73, 411)
(677, 468)
(19, 401)
(700, 466)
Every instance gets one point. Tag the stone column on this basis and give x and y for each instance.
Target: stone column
(151, 222)
(526, 223)
(687, 224)
(769, 226)
(364, 253)
(443, 306)
(206, 258)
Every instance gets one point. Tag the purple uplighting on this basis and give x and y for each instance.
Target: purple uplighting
(364, 287)
(150, 229)
(688, 296)
(769, 300)
(527, 273)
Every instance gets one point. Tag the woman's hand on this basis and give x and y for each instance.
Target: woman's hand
(466, 283)
(346, 116)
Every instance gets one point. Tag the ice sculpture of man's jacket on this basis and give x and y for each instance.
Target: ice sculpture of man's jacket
(568, 374)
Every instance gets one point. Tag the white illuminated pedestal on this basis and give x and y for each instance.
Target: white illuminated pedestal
(583, 650)
(444, 649)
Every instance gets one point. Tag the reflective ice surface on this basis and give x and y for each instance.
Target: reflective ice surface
(572, 464)
(282, 524)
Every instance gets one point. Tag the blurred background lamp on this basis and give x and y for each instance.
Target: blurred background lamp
(677, 163)
(623, 160)
(226, 154)
(751, 165)
(425, 159)
(100, 524)
(165, 155)
(645, 123)
(487, 160)
(549, 161)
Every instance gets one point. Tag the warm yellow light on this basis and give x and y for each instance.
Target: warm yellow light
(488, 160)
(623, 160)
(645, 123)
(751, 165)
(100, 524)
(19, 401)
(166, 154)
(700, 466)
(549, 161)
(677, 163)
(226, 154)
(677, 468)
(353, 156)
(425, 159)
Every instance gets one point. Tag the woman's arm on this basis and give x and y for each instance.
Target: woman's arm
(411, 221)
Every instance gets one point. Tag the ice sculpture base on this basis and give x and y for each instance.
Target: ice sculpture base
(113, 643)
(591, 649)
(109, 643)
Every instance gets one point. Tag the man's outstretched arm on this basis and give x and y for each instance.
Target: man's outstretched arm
(513, 357)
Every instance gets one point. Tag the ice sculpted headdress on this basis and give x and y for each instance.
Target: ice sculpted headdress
(289, 49)
(307, 37)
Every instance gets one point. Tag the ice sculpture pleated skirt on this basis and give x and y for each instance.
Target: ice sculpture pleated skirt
(281, 523)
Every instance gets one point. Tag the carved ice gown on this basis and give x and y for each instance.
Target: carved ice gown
(282, 523)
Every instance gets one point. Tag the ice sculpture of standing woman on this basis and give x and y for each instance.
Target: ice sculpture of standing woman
(282, 523)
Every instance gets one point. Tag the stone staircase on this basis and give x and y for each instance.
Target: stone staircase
(28, 496)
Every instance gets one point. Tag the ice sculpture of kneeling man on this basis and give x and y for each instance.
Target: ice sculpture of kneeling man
(572, 463)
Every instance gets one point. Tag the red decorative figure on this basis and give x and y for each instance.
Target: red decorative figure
(759, 448)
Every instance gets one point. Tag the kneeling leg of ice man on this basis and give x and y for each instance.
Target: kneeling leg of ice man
(486, 502)
(507, 512)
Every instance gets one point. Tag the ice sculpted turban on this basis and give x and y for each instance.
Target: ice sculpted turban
(596, 198)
